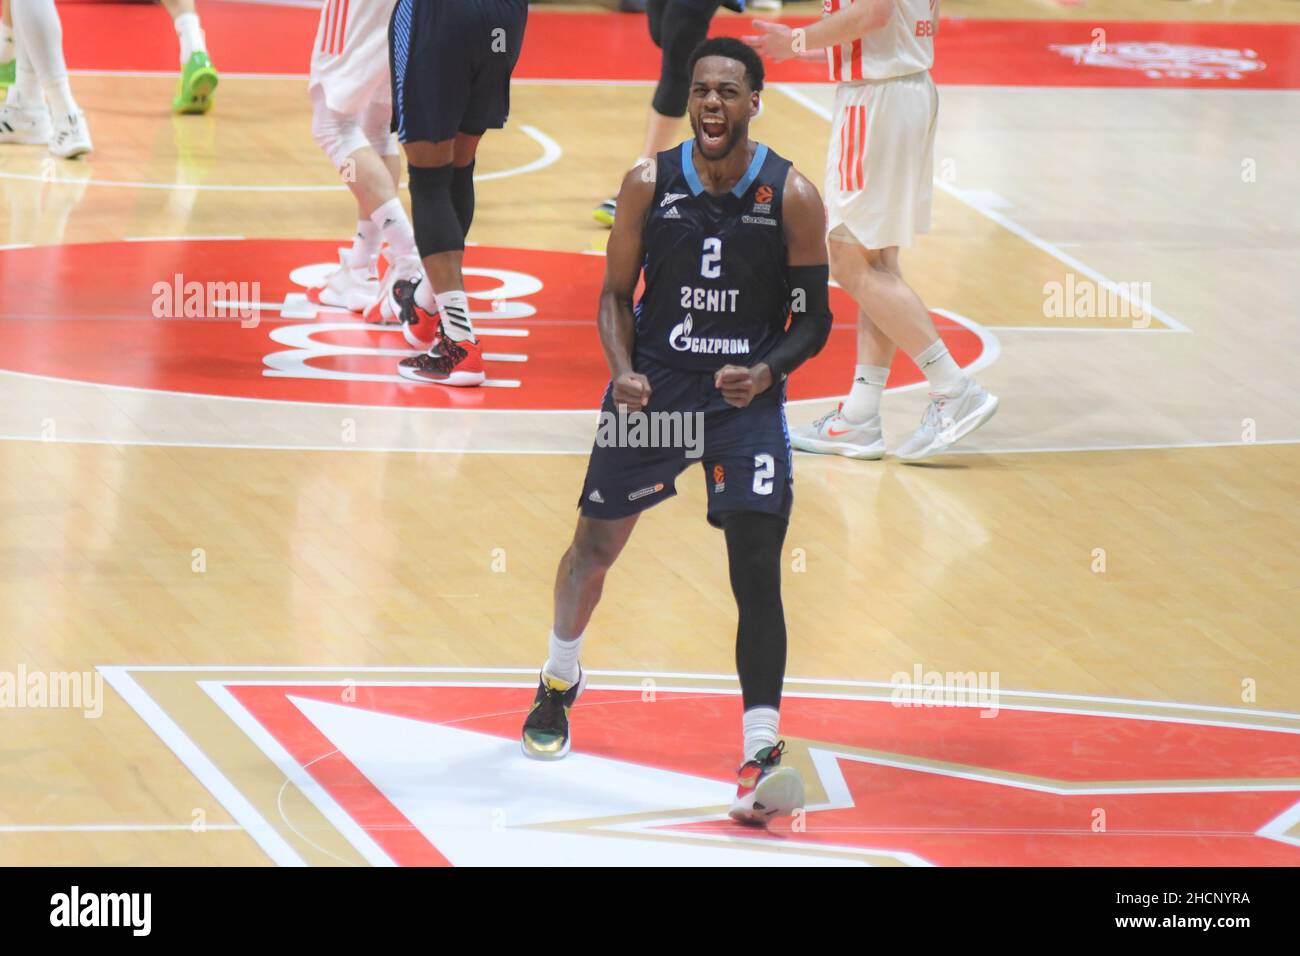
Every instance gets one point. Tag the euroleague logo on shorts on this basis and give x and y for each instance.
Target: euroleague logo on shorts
(719, 480)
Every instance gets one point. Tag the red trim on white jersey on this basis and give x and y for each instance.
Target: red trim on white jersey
(853, 136)
(334, 19)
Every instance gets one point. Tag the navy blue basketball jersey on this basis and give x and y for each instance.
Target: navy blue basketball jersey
(716, 286)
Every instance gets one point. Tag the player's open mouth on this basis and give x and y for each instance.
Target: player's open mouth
(713, 130)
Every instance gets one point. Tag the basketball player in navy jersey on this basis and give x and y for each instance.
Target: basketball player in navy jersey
(731, 239)
(451, 62)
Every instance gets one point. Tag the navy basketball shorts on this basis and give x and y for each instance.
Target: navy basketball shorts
(744, 452)
(451, 63)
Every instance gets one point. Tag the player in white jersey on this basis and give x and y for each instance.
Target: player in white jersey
(879, 183)
(39, 108)
(351, 94)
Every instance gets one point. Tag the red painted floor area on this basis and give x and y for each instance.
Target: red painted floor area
(982, 818)
(151, 315)
(617, 47)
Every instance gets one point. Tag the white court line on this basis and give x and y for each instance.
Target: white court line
(551, 153)
(297, 774)
(199, 764)
(679, 675)
(585, 449)
(1007, 224)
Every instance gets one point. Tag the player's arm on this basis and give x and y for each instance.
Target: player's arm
(810, 314)
(779, 42)
(624, 256)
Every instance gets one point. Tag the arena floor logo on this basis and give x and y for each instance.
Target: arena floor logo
(1166, 60)
(421, 766)
(95, 320)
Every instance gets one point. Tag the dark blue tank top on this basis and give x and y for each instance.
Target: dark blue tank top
(716, 286)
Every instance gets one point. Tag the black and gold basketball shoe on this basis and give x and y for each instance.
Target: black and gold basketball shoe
(546, 728)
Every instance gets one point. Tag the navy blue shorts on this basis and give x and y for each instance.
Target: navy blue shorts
(451, 64)
(745, 452)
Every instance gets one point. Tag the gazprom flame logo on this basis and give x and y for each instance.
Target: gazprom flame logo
(680, 337)
(1166, 60)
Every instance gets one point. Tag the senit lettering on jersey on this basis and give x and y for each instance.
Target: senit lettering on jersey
(709, 300)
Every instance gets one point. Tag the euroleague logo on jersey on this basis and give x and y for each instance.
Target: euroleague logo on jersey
(763, 199)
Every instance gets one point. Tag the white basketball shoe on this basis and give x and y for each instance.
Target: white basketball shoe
(948, 420)
(71, 137)
(833, 434)
(349, 287)
(27, 127)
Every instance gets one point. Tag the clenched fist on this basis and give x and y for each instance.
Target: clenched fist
(739, 385)
(633, 390)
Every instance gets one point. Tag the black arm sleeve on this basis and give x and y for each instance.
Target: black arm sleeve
(810, 320)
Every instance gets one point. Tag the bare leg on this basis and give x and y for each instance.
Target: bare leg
(372, 179)
(873, 278)
(581, 575)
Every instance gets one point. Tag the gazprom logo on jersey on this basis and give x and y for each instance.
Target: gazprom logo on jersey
(625, 429)
(682, 341)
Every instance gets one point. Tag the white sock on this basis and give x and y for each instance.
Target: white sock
(365, 244)
(25, 94)
(863, 403)
(7, 51)
(37, 23)
(395, 228)
(454, 307)
(190, 33)
(943, 374)
(563, 660)
(761, 724)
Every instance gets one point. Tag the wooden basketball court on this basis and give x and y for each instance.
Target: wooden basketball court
(293, 590)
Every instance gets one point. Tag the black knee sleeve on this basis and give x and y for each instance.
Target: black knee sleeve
(682, 27)
(462, 196)
(754, 543)
(433, 215)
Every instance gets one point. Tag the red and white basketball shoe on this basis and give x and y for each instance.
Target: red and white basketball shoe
(446, 363)
(765, 789)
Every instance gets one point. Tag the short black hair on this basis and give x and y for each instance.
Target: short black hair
(732, 49)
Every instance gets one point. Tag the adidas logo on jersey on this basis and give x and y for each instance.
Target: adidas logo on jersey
(672, 213)
(595, 497)
(670, 198)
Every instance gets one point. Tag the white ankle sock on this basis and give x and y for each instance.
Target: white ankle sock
(563, 659)
(36, 22)
(454, 307)
(943, 374)
(863, 402)
(25, 94)
(761, 726)
(190, 33)
(395, 228)
(365, 244)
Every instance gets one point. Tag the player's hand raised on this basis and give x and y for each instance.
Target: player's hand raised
(633, 390)
(739, 385)
(777, 42)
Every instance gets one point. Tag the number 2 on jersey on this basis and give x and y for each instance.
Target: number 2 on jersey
(711, 260)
